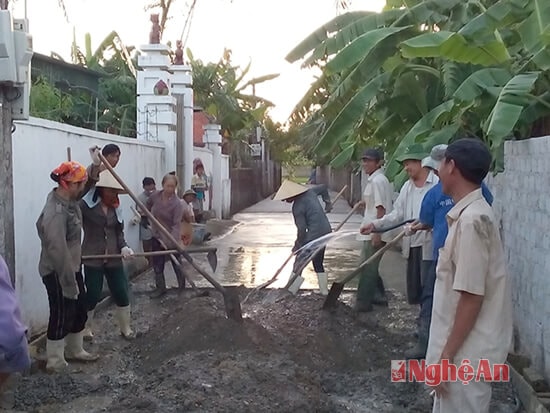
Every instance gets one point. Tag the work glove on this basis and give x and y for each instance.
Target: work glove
(126, 252)
(94, 154)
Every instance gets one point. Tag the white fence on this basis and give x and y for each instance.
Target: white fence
(38, 147)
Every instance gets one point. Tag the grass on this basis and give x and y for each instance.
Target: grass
(297, 179)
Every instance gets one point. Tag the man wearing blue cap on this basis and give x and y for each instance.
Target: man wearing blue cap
(377, 201)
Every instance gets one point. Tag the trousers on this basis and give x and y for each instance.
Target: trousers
(370, 281)
(66, 315)
(417, 268)
(317, 261)
(426, 302)
(158, 267)
(117, 281)
(473, 397)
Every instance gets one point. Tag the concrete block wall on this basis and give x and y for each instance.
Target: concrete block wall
(522, 203)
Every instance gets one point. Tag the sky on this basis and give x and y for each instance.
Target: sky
(257, 31)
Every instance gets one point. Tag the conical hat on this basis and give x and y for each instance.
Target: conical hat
(289, 189)
(107, 180)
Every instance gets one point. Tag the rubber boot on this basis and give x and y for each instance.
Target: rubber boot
(88, 333)
(323, 283)
(380, 299)
(74, 349)
(55, 352)
(363, 307)
(181, 279)
(296, 284)
(418, 351)
(160, 283)
(123, 318)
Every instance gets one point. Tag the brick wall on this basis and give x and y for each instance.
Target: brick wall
(522, 203)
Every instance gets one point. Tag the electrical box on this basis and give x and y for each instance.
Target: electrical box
(8, 71)
(22, 41)
(21, 101)
(23, 55)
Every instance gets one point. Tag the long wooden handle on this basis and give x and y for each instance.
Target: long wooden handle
(136, 254)
(348, 216)
(177, 263)
(160, 227)
(339, 194)
(373, 257)
(274, 278)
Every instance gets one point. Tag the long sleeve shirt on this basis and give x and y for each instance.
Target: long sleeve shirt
(59, 228)
(103, 234)
(407, 206)
(169, 212)
(12, 328)
(310, 219)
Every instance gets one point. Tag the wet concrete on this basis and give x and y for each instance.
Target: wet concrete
(258, 245)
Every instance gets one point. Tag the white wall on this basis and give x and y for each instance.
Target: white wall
(38, 147)
(523, 207)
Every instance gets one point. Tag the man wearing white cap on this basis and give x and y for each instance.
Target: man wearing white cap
(433, 216)
(311, 222)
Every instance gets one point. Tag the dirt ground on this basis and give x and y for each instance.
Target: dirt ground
(287, 356)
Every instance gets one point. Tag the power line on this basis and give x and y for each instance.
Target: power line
(187, 25)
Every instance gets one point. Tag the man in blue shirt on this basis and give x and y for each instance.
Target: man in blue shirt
(433, 216)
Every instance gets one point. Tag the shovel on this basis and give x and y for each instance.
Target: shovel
(337, 287)
(230, 297)
(274, 278)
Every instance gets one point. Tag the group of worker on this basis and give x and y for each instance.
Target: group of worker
(87, 199)
(455, 261)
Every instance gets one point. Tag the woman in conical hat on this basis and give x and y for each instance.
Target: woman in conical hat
(104, 234)
(311, 223)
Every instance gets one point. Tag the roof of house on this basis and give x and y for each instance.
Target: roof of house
(55, 70)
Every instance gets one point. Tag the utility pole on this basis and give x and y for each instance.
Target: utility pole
(7, 232)
(15, 82)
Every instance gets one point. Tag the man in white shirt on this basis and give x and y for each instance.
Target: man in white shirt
(377, 201)
(417, 248)
(472, 303)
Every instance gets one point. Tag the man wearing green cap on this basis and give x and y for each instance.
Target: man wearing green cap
(417, 248)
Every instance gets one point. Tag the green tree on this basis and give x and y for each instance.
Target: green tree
(285, 144)
(426, 71)
(116, 96)
(220, 89)
(47, 102)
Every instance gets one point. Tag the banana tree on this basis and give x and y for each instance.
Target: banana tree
(117, 89)
(426, 71)
(222, 91)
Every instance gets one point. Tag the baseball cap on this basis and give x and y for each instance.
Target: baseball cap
(414, 152)
(472, 158)
(436, 156)
(373, 154)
